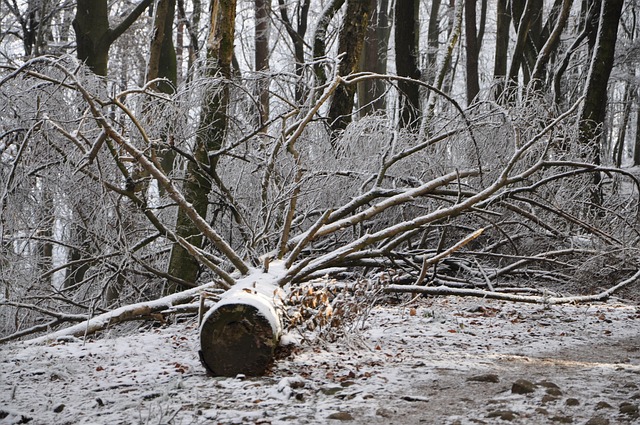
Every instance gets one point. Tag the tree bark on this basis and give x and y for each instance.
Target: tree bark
(374, 59)
(162, 56)
(525, 21)
(636, 147)
(407, 32)
(240, 333)
(262, 30)
(210, 137)
(320, 40)
(618, 149)
(163, 64)
(472, 50)
(550, 45)
(433, 31)
(592, 114)
(350, 43)
(503, 21)
(297, 38)
(94, 37)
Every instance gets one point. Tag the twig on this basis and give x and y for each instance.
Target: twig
(428, 262)
(445, 290)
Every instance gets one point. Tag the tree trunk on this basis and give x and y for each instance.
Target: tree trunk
(320, 40)
(240, 333)
(592, 114)
(472, 50)
(45, 232)
(524, 19)
(503, 21)
(297, 38)
(374, 59)
(432, 42)
(91, 25)
(262, 30)
(636, 147)
(350, 43)
(163, 64)
(210, 137)
(162, 56)
(93, 34)
(407, 31)
(551, 44)
(534, 40)
(618, 149)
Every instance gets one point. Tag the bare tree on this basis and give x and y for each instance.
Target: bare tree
(94, 35)
(210, 137)
(407, 32)
(350, 45)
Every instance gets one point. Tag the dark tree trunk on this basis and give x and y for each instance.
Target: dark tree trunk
(618, 149)
(163, 64)
(297, 38)
(472, 50)
(350, 43)
(636, 147)
(432, 42)
(320, 39)
(162, 56)
(262, 30)
(551, 44)
(503, 21)
(523, 19)
(93, 34)
(407, 33)
(92, 27)
(374, 59)
(210, 137)
(592, 114)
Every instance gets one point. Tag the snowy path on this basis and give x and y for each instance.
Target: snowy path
(455, 361)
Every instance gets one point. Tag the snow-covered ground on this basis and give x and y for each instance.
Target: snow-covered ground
(436, 361)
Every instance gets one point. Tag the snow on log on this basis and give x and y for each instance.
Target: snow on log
(240, 333)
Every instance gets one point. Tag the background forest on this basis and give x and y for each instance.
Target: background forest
(465, 146)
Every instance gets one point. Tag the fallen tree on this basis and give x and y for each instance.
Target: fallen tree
(488, 198)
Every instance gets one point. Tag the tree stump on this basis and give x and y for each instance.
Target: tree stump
(240, 333)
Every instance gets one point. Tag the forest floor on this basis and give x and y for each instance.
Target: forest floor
(435, 361)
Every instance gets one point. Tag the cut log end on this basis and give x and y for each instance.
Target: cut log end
(237, 338)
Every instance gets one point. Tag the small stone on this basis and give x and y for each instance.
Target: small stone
(522, 386)
(341, 416)
(562, 419)
(385, 413)
(548, 384)
(505, 415)
(330, 390)
(59, 408)
(554, 392)
(598, 420)
(629, 409)
(487, 377)
(603, 405)
(572, 402)
(548, 399)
